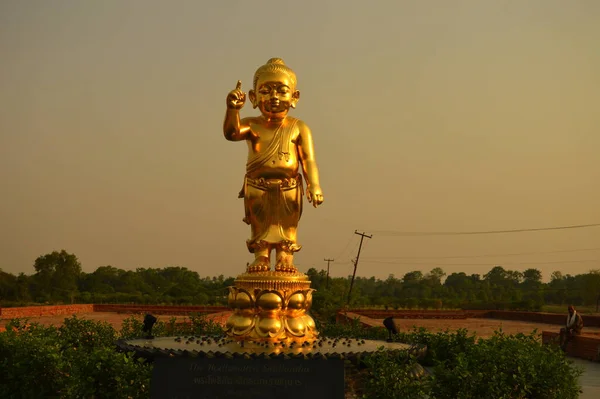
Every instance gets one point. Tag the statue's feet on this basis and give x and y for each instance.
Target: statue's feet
(285, 262)
(260, 264)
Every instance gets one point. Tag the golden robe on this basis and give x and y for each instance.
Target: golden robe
(273, 206)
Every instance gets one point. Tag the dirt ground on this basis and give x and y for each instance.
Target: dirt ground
(483, 328)
(116, 319)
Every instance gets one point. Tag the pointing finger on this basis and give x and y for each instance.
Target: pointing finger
(239, 85)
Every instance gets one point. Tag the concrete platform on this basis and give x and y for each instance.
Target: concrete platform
(218, 346)
(590, 380)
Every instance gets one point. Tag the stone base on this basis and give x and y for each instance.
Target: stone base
(196, 346)
(271, 306)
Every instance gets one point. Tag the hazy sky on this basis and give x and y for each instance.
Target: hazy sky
(430, 115)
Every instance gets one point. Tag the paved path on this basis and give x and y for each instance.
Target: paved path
(590, 380)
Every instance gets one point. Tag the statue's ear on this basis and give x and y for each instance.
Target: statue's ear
(252, 97)
(295, 98)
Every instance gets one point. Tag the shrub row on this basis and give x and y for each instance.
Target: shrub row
(79, 360)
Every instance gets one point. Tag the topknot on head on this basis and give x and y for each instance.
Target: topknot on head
(278, 61)
(275, 65)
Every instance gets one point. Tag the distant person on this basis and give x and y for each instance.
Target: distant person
(572, 328)
(391, 327)
(149, 322)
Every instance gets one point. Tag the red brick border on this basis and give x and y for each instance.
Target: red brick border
(585, 346)
(159, 310)
(35, 311)
(533, 317)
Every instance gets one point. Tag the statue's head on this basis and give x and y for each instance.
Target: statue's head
(274, 90)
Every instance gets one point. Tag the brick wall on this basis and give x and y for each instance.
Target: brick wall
(33, 311)
(413, 314)
(585, 346)
(159, 310)
(539, 317)
(532, 317)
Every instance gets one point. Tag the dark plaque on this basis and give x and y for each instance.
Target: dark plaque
(186, 378)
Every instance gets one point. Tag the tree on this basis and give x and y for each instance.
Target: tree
(556, 276)
(532, 276)
(413, 276)
(8, 287)
(591, 287)
(57, 276)
(436, 275)
(496, 276)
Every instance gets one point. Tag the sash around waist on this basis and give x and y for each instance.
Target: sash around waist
(287, 183)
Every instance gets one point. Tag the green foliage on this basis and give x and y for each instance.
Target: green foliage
(85, 335)
(351, 330)
(391, 377)
(31, 362)
(58, 279)
(77, 360)
(103, 372)
(441, 346)
(192, 325)
(506, 367)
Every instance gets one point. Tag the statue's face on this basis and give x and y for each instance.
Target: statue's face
(274, 95)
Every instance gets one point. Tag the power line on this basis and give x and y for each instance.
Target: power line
(483, 256)
(341, 255)
(482, 264)
(392, 233)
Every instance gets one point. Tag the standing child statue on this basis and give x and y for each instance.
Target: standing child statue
(278, 146)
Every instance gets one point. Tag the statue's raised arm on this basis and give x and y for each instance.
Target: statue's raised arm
(232, 127)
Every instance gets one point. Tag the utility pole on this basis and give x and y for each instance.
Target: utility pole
(328, 260)
(362, 236)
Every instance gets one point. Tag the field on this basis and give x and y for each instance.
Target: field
(482, 328)
(115, 319)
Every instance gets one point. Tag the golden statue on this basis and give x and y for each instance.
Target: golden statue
(278, 145)
(272, 305)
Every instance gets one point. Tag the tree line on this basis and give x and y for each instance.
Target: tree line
(58, 278)
(498, 289)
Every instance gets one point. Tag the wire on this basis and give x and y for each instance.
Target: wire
(392, 233)
(482, 264)
(481, 256)
(345, 248)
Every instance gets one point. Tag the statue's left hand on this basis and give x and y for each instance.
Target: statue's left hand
(315, 195)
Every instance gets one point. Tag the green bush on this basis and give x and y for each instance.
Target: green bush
(103, 372)
(84, 335)
(77, 360)
(351, 330)
(441, 346)
(31, 362)
(506, 367)
(502, 367)
(393, 377)
(192, 325)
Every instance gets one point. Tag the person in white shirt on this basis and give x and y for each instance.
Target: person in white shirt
(572, 328)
